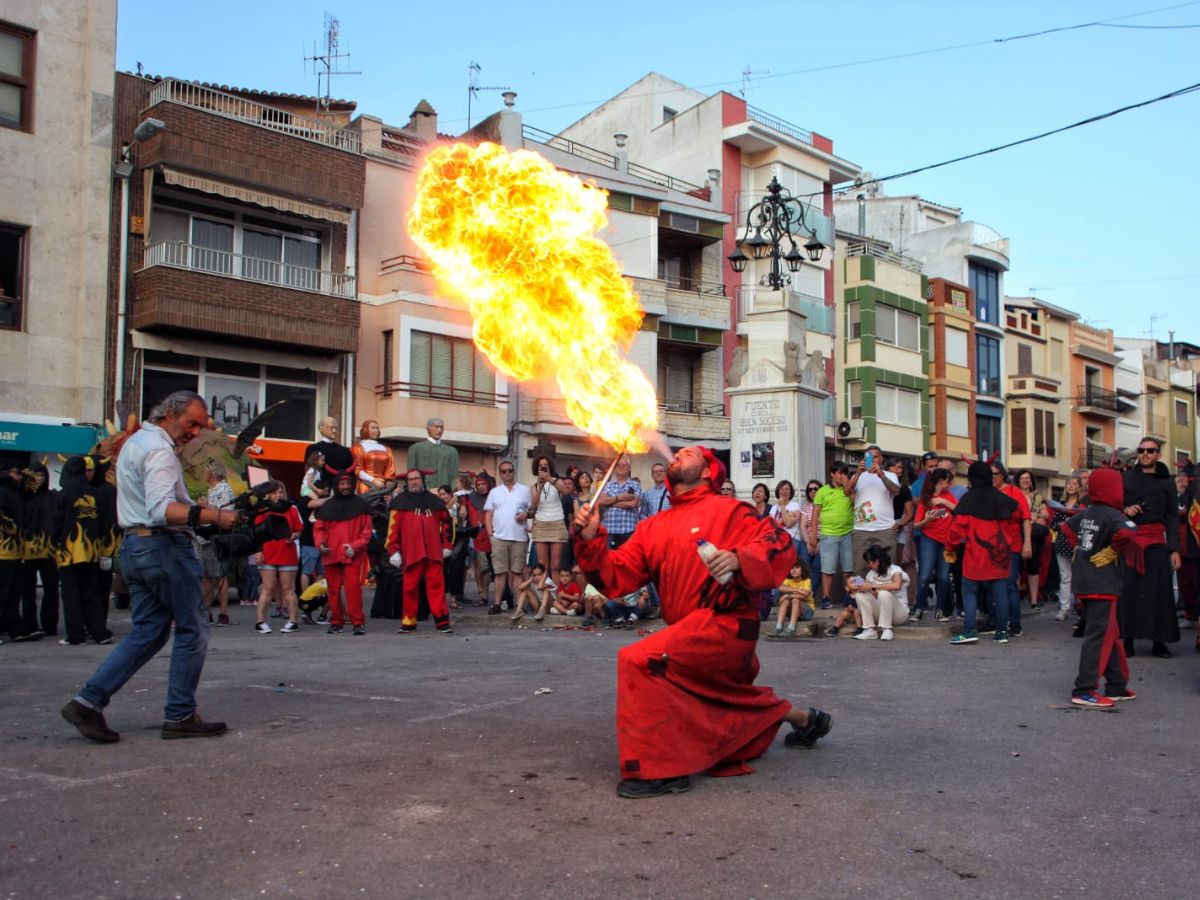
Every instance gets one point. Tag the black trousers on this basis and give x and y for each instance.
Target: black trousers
(83, 606)
(10, 598)
(1102, 652)
(47, 621)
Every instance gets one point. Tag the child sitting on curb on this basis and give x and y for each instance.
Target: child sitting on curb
(568, 599)
(795, 600)
(537, 590)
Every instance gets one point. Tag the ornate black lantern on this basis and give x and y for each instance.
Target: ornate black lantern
(774, 221)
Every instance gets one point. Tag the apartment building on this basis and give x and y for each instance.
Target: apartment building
(665, 232)
(232, 263)
(883, 382)
(958, 250)
(1094, 406)
(56, 115)
(1038, 389)
(952, 383)
(736, 150)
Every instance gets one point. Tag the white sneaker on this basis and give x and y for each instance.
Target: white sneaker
(289, 628)
(632, 618)
(1062, 616)
(887, 635)
(868, 634)
(262, 628)
(554, 612)
(570, 612)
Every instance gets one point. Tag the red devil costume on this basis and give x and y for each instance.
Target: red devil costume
(686, 698)
(1098, 535)
(419, 529)
(343, 520)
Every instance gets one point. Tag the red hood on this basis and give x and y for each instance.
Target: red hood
(1105, 486)
(716, 472)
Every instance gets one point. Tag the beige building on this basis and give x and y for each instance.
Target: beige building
(56, 177)
(417, 359)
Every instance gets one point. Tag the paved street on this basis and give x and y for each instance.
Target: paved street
(428, 765)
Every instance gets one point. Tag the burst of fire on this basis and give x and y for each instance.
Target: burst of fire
(512, 238)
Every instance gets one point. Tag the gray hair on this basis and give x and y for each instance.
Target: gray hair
(435, 421)
(216, 469)
(173, 404)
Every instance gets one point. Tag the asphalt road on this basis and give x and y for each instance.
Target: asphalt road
(428, 765)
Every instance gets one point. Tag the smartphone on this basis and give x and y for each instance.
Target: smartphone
(869, 460)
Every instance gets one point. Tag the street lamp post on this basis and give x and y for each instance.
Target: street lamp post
(772, 223)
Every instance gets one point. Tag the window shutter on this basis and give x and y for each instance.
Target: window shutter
(419, 372)
(1020, 443)
(1024, 359)
(441, 365)
(1051, 427)
(1039, 434)
(485, 378)
(464, 368)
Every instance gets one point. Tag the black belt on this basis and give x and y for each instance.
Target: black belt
(148, 530)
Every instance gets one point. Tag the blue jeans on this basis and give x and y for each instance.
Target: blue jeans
(1006, 598)
(163, 575)
(812, 560)
(970, 590)
(932, 568)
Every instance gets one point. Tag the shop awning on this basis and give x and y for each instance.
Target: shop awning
(35, 437)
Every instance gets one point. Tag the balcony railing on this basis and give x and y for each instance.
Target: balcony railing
(1157, 425)
(448, 392)
(695, 286)
(1094, 455)
(870, 248)
(1098, 398)
(608, 160)
(230, 106)
(179, 255)
(783, 127)
(695, 407)
(821, 318)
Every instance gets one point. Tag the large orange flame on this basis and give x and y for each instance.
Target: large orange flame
(512, 238)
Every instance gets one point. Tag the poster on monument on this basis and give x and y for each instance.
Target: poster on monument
(764, 460)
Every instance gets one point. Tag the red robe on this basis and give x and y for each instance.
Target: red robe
(419, 526)
(686, 698)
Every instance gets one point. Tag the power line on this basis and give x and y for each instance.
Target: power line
(1037, 137)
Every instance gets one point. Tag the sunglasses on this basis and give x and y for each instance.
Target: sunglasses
(1147, 449)
(506, 471)
(812, 490)
(543, 468)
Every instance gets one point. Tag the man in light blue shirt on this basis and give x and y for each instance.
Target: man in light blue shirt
(158, 562)
(658, 498)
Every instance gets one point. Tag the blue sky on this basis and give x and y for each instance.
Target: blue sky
(1101, 218)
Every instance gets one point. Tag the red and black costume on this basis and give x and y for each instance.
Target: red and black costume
(419, 529)
(1147, 606)
(1097, 583)
(343, 519)
(686, 698)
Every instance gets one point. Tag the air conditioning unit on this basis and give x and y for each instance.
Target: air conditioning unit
(851, 430)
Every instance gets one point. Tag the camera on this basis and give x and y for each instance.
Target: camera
(259, 520)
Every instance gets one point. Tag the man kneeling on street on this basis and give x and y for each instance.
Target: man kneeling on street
(159, 563)
(686, 698)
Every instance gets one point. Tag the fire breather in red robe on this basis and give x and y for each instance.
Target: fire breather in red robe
(686, 698)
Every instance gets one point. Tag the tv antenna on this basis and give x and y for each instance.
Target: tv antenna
(325, 64)
(747, 75)
(474, 87)
(1153, 318)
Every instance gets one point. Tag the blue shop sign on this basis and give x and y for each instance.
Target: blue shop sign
(66, 439)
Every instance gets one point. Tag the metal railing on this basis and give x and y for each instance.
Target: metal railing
(869, 248)
(783, 127)
(574, 148)
(695, 286)
(1157, 425)
(694, 407)
(661, 178)
(179, 255)
(453, 394)
(404, 261)
(1094, 455)
(1097, 398)
(187, 93)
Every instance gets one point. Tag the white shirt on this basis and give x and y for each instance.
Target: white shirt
(873, 503)
(504, 504)
(794, 507)
(900, 593)
(149, 479)
(550, 508)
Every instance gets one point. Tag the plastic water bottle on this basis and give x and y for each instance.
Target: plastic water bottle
(707, 551)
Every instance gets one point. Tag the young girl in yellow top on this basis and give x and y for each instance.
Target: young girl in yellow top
(795, 600)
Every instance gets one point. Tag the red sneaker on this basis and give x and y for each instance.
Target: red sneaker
(1093, 701)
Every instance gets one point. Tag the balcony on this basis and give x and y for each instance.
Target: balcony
(1157, 426)
(822, 319)
(444, 392)
(877, 250)
(179, 255)
(694, 407)
(693, 420)
(754, 114)
(233, 107)
(1097, 401)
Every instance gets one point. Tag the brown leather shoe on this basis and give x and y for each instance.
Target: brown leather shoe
(89, 722)
(192, 727)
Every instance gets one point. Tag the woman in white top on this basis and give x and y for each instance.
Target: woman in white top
(882, 596)
(786, 511)
(549, 530)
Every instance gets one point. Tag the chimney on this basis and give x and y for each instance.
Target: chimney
(714, 179)
(423, 122)
(622, 155)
